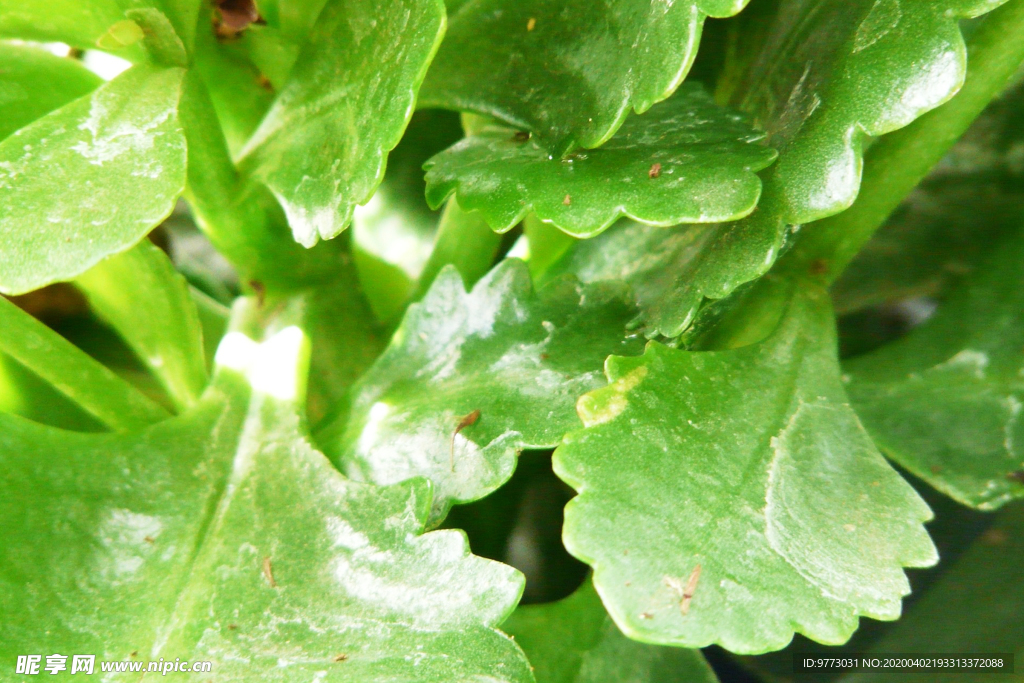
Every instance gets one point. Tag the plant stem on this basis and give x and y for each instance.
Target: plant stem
(463, 240)
(241, 219)
(897, 162)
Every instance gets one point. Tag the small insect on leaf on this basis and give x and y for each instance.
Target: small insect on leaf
(686, 591)
(654, 171)
(466, 421)
(341, 657)
(268, 572)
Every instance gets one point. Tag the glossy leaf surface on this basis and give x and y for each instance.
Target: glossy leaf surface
(154, 314)
(833, 72)
(945, 401)
(686, 161)
(575, 641)
(90, 179)
(759, 508)
(322, 146)
(282, 567)
(34, 82)
(829, 74)
(519, 358)
(567, 71)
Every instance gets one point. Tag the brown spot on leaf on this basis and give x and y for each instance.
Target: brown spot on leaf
(685, 591)
(531, 23)
(148, 539)
(654, 171)
(268, 572)
(466, 421)
(521, 136)
(340, 657)
(567, 201)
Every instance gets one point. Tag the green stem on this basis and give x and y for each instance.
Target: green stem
(897, 162)
(463, 240)
(73, 373)
(241, 219)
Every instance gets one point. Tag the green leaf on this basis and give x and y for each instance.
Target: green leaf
(687, 160)
(155, 316)
(951, 222)
(392, 236)
(977, 606)
(519, 358)
(70, 371)
(181, 541)
(71, 21)
(759, 508)
(574, 641)
(34, 82)
(322, 146)
(945, 401)
(566, 71)
(832, 72)
(90, 179)
(668, 269)
(94, 23)
(22, 392)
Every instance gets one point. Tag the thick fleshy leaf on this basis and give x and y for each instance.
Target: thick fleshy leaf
(83, 380)
(733, 497)
(284, 568)
(831, 73)
(567, 71)
(94, 23)
(686, 161)
(945, 400)
(322, 146)
(977, 606)
(471, 378)
(71, 21)
(671, 270)
(574, 641)
(155, 316)
(34, 82)
(90, 179)
(971, 201)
